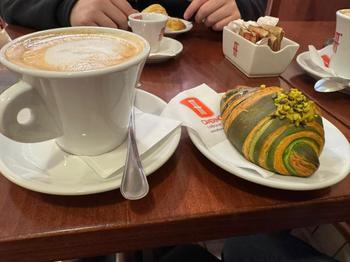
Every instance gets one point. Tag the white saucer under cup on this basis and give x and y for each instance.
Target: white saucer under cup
(169, 48)
(44, 167)
(304, 61)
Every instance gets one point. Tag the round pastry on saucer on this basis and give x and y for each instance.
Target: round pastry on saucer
(155, 8)
(277, 130)
(175, 24)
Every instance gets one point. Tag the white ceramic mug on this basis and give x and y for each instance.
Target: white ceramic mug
(151, 26)
(340, 61)
(86, 112)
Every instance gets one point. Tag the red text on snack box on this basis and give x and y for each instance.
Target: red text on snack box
(235, 48)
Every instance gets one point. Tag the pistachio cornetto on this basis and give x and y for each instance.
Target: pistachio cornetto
(277, 130)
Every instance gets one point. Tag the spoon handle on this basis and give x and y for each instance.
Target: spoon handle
(134, 183)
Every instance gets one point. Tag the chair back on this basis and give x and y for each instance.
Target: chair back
(305, 10)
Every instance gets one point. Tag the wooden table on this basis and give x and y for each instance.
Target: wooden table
(190, 198)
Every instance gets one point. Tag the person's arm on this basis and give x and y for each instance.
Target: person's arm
(44, 14)
(39, 14)
(108, 13)
(218, 13)
(213, 13)
(251, 9)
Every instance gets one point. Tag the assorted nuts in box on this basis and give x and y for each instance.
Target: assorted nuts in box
(258, 49)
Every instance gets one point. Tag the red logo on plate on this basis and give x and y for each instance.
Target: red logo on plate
(197, 106)
(235, 49)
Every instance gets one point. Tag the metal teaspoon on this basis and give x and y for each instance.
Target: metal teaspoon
(331, 84)
(134, 183)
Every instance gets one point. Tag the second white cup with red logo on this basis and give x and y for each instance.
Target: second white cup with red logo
(340, 61)
(150, 26)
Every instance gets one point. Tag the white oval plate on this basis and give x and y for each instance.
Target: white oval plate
(188, 25)
(71, 176)
(334, 164)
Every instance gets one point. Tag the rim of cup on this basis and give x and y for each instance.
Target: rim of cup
(148, 17)
(340, 13)
(64, 74)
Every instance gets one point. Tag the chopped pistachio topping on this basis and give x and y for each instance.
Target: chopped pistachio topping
(295, 106)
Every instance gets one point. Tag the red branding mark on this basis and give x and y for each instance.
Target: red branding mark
(197, 106)
(336, 42)
(235, 49)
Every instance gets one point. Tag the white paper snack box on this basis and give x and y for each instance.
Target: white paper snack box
(257, 60)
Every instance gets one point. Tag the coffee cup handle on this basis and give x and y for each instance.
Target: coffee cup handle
(39, 127)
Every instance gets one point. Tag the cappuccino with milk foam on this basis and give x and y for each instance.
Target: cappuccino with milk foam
(73, 52)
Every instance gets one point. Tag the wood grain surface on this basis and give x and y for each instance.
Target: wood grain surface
(190, 199)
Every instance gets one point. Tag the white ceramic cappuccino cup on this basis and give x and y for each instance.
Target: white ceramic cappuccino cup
(340, 61)
(86, 112)
(151, 26)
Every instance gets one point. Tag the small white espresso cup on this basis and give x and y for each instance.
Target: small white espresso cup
(85, 110)
(151, 26)
(340, 61)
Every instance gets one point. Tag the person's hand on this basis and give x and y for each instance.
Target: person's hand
(108, 13)
(213, 13)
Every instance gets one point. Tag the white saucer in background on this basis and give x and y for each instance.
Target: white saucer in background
(188, 25)
(304, 61)
(334, 163)
(43, 167)
(169, 48)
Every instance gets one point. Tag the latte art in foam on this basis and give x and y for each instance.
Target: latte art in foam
(73, 52)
